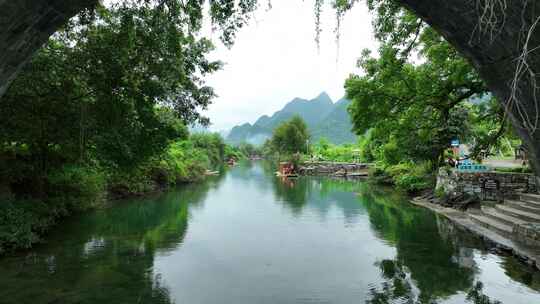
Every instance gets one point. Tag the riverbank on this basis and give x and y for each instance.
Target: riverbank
(527, 254)
(334, 168)
(26, 214)
(26, 223)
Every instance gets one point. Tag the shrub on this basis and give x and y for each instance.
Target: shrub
(185, 163)
(135, 182)
(439, 192)
(412, 177)
(22, 223)
(75, 188)
(389, 153)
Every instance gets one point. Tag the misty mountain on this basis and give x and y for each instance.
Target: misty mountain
(323, 118)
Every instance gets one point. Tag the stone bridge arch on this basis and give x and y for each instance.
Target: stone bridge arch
(25, 25)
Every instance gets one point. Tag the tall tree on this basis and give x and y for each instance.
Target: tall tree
(107, 86)
(291, 136)
(418, 107)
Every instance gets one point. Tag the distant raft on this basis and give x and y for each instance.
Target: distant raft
(211, 173)
(287, 175)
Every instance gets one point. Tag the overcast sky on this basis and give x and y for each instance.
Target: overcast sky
(275, 59)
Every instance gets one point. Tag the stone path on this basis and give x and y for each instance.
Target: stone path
(504, 225)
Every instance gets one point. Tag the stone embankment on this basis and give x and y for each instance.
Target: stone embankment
(489, 186)
(334, 169)
(508, 213)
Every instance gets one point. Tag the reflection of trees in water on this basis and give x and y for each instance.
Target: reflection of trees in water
(434, 256)
(319, 194)
(110, 257)
(398, 287)
(477, 296)
(438, 267)
(293, 192)
(521, 273)
(435, 259)
(195, 194)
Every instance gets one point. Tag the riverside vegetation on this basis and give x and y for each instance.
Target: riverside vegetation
(100, 112)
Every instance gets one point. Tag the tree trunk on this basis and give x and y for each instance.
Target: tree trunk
(25, 25)
(494, 51)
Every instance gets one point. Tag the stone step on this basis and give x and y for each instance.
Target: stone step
(484, 221)
(523, 206)
(523, 215)
(501, 217)
(530, 197)
(528, 201)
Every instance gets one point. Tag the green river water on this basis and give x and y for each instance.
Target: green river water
(250, 237)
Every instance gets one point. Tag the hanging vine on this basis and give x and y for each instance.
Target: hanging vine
(492, 18)
(318, 10)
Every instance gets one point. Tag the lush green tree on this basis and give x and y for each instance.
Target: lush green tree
(97, 88)
(491, 132)
(248, 149)
(104, 106)
(291, 136)
(415, 109)
(212, 142)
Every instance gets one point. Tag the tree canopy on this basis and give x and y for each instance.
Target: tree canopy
(291, 136)
(110, 86)
(417, 106)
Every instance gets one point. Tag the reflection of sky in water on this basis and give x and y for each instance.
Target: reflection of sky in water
(247, 250)
(497, 283)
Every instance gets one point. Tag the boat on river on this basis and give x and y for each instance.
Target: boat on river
(290, 175)
(287, 169)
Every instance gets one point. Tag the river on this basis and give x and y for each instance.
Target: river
(249, 237)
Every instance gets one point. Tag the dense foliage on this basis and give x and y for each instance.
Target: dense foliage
(290, 137)
(407, 110)
(415, 109)
(324, 150)
(102, 109)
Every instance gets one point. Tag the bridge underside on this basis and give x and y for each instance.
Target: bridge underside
(25, 25)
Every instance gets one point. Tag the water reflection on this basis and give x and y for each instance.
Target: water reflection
(439, 267)
(435, 260)
(250, 237)
(104, 257)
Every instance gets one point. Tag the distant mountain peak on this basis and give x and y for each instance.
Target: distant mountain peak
(323, 94)
(322, 116)
(323, 98)
(263, 121)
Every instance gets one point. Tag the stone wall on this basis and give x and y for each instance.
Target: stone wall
(492, 186)
(529, 233)
(333, 168)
